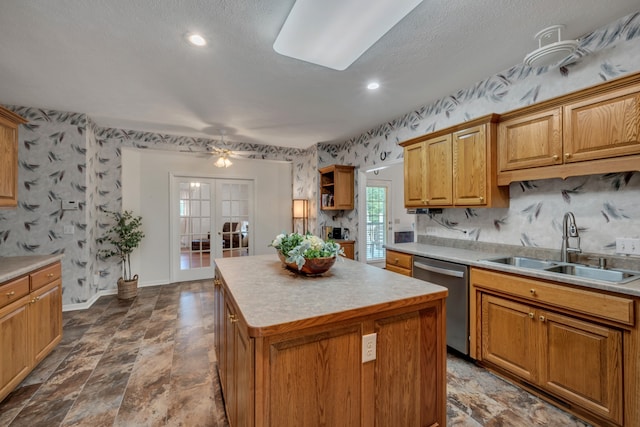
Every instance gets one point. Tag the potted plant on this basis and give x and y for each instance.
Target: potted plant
(307, 253)
(124, 235)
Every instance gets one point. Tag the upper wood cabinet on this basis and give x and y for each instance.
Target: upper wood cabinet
(9, 123)
(336, 187)
(596, 130)
(454, 167)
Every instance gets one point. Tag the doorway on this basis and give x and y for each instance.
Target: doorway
(211, 219)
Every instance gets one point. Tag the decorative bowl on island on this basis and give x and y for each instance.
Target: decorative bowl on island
(306, 254)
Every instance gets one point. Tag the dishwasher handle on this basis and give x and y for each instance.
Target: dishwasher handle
(438, 270)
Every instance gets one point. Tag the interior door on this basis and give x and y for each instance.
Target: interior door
(234, 209)
(192, 211)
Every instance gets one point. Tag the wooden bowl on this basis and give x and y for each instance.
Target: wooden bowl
(311, 266)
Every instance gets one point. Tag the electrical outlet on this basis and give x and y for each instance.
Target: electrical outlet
(628, 246)
(369, 347)
(69, 229)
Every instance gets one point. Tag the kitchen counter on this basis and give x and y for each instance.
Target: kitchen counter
(15, 266)
(475, 259)
(358, 345)
(260, 283)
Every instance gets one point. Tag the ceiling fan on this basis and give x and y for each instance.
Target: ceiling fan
(224, 153)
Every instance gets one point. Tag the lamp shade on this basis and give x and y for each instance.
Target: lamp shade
(300, 208)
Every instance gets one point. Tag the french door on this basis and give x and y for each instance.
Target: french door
(210, 219)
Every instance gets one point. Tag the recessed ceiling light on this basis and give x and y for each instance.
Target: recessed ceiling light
(373, 85)
(196, 40)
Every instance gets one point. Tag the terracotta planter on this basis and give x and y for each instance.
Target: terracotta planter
(128, 289)
(312, 266)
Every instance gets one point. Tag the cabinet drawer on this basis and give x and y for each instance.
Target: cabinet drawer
(45, 275)
(609, 307)
(14, 290)
(399, 259)
(399, 270)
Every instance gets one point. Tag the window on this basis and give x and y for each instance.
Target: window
(377, 196)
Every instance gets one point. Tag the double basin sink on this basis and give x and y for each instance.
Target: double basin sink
(576, 270)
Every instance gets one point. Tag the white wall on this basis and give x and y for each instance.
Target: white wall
(145, 190)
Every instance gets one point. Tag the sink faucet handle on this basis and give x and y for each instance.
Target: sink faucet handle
(602, 262)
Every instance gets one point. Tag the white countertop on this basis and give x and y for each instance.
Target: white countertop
(267, 294)
(475, 259)
(15, 266)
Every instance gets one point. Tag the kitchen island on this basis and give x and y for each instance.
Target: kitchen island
(290, 347)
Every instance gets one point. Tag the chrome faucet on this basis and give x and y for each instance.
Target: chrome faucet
(569, 229)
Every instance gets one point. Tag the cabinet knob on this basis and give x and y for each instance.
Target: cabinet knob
(481, 199)
(233, 318)
(217, 282)
(567, 155)
(532, 291)
(555, 157)
(396, 260)
(49, 275)
(542, 319)
(530, 315)
(10, 294)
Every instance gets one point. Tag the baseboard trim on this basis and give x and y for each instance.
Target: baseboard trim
(103, 292)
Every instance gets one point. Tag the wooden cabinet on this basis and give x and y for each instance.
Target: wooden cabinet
(429, 172)
(530, 141)
(596, 130)
(454, 167)
(9, 123)
(313, 374)
(336, 187)
(399, 262)
(562, 341)
(349, 248)
(30, 323)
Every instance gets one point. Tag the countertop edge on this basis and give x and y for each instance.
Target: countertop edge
(16, 266)
(475, 259)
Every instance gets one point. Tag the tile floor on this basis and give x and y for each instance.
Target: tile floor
(150, 362)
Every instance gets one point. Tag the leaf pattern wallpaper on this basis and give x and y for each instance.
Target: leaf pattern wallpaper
(605, 206)
(66, 156)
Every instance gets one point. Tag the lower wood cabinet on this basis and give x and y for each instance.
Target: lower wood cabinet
(578, 358)
(399, 262)
(30, 323)
(315, 375)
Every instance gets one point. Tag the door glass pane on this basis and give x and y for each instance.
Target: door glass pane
(376, 222)
(234, 207)
(195, 225)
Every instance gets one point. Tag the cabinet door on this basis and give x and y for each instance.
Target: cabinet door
(530, 141)
(8, 164)
(14, 346)
(218, 306)
(508, 336)
(602, 126)
(582, 362)
(415, 186)
(343, 196)
(470, 166)
(227, 376)
(243, 378)
(316, 379)
(439, 181)
(46, 317)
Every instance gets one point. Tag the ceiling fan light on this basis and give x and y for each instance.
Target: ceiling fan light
(334, 33)
(222, 162)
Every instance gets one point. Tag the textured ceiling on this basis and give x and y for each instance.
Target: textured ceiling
(126, 63)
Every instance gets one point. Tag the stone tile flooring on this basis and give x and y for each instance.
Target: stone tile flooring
(150, 362)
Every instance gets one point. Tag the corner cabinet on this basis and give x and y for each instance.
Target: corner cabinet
(336, 187)
(30, 323)
(9, 123)
(577, 345)
(454, 167)
(596, 130)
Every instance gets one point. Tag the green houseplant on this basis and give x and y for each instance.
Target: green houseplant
(124, 236)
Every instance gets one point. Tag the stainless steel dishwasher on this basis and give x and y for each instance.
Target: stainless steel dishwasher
(454, 277)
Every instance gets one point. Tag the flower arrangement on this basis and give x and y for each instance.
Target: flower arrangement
(297, 247)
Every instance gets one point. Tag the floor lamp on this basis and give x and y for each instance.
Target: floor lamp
(301, 212)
